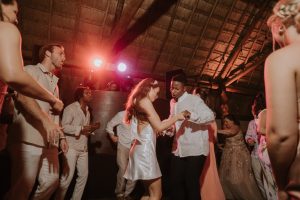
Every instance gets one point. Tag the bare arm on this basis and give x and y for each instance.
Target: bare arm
(229, 132)
(31, 107)
(282, 127)
(154, 119)
(212, 127)
(11, 66)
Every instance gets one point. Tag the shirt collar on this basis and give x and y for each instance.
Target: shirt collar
(44, 70)
(79, 106)
(182, 97)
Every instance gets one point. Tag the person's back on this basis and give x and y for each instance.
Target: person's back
(282, 82)
(289, 70)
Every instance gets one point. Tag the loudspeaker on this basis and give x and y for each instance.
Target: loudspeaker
(169, 75)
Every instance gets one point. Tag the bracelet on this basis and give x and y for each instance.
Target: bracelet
(61, 138)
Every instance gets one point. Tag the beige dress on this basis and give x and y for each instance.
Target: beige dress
(236, 174)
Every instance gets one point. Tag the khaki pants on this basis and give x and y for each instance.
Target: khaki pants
(123, 187)
(28, 164)
(73, 159)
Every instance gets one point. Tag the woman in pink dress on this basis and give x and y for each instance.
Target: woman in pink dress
(211, 188)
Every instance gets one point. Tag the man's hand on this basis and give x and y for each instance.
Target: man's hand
(53, 130)
(57, 106)
(114, 138)
(89, 129)
(95, 126)
(186, 114)
(86, 130)
(250, 141)
(64, 145)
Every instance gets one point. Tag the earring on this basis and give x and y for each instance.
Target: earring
(281, 30)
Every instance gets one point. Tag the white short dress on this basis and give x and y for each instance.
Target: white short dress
(142, 163)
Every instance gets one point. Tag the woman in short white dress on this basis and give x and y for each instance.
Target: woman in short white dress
(145, 123)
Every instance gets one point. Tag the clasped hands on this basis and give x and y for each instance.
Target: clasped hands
(89, 129)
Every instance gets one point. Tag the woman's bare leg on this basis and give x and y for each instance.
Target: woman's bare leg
(154, 188)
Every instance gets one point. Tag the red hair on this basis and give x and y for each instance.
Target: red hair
(139, 92)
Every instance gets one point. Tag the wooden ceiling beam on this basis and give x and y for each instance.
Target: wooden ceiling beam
(120, 28)
(50, 20)
(108, 2)
(202, 34)
(165, 37)
(156, 10)
(245, 72)
(127, 15)
(243, 15)
(254, 61)
(239, 90)
(118, 13)
(218, 37)
(76, 26)
(244, 36)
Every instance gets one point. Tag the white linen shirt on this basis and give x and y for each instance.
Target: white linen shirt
(123, 129)
(26, 129)
(191, 137)
(72, 122)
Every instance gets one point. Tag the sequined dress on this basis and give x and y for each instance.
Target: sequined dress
(235, 170)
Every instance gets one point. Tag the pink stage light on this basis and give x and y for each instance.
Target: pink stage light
(122, 67)
(97, 62)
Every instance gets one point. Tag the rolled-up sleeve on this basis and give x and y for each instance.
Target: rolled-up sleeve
(115, 121)
(201, 112)
(68, 116)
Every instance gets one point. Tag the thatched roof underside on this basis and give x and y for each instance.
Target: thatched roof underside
(213, 41)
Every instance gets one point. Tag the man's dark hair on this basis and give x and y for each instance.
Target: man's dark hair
(180, 78)
(259, 103)
(47, 47)
(231, 117)
(79, 92)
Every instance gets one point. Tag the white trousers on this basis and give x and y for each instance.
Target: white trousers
(123, 187)
(30, 163)
(73, 159)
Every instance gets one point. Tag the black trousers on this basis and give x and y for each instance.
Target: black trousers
(185, 176)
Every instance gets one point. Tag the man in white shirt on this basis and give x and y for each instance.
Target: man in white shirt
(190, 144)
(123, 138)
(77, 128)
(33, 154)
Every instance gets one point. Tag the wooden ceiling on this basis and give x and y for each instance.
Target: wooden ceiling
(213, 41)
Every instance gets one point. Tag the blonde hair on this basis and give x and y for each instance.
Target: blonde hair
(285, 13)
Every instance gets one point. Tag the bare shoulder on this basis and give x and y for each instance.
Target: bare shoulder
(286, 58)
(8, 29)
(144, 102)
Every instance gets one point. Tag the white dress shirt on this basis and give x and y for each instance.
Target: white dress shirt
(123, 129)
(191, 138)
(72, 122)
